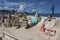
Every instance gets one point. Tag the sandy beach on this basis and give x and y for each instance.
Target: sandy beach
(33, 33)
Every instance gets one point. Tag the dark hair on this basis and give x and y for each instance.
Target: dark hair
(50, 15)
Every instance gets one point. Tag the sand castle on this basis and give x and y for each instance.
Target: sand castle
(13, 28)
(33, 33)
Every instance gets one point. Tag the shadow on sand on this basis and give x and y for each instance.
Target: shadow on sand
(0, 38)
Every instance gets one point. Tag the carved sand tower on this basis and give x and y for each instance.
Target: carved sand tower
(9, 20)
(24, 20)
(12, 21)
(16, 23)
(3, 17)
(0, 20)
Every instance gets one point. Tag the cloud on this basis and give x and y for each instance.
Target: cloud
(0, 7)
(22, 7)
(33, 10)
(43, 2)
(31, 4)
(40, 11)
(12, 5)
(6, 7)
(3, 1)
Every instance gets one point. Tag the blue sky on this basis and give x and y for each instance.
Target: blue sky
(42, 6)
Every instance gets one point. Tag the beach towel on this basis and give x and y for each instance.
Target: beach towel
(50, 24)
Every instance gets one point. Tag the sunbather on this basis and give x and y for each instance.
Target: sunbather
(49, 18)
(35, 19)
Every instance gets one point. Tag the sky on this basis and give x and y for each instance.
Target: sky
(41, 6)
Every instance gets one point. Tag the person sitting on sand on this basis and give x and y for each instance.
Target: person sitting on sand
(35, 19)
(49, 18)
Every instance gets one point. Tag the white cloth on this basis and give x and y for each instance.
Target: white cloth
(50, 24)
(29, 22)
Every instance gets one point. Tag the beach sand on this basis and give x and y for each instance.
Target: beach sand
(33, 33)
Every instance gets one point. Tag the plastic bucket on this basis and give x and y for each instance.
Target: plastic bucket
(42, 29)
